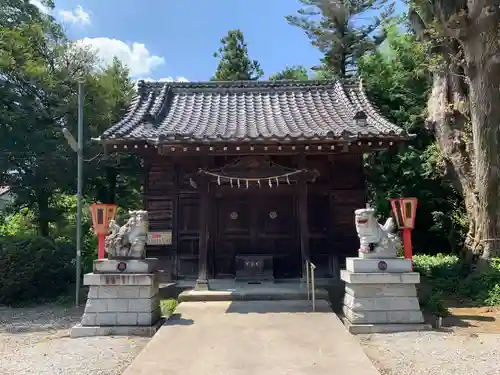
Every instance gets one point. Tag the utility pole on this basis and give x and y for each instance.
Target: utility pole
(77, 146)
(79, 193)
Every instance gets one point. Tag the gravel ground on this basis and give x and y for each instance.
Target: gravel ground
(36, 341)
(434, 353)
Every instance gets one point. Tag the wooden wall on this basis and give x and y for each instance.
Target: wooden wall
(173, 204)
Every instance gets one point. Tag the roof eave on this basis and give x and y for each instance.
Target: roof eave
(260, 140)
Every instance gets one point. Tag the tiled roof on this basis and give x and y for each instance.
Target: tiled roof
(250, 111)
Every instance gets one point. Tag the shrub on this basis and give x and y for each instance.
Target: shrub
(435, 304)
(446, 275)
(33, 269)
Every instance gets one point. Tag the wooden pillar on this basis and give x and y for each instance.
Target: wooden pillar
(303, 214)
(202, 281)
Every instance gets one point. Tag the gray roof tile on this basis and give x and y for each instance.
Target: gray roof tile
(250, 111)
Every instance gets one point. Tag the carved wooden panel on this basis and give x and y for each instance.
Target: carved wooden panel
(161, 177)
(234, 217)
(352, 198)
(159, 197)
(188, 222)
(257, 224)
(347, 172)
(187, 258)
(277, 217)
(319, 214)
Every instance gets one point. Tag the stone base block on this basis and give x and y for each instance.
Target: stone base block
(89, 331)
(357, 329)
(123, 291)
(383, 317)
(105, 319)
(202, 285)
(116, 279)
(378, 255)
(397, 265)
(379, 278)
(381, 290)
(137, 305)
(120, 304)
(148, 265)
(364, 304)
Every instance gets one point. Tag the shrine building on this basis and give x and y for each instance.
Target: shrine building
(252, 179)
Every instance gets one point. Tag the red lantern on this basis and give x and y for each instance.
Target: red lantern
(102, 214)
(405, 211)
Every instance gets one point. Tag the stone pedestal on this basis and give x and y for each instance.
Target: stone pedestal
(123, 299)
(381, 296)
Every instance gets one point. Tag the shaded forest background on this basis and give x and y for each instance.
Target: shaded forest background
(39, 70)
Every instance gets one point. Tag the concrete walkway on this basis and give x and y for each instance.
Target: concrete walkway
(252, 337)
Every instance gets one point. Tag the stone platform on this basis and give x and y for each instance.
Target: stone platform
(123, 299)
(231, 290)
(381, 296)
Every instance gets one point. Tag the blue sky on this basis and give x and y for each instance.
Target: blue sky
(160, 39)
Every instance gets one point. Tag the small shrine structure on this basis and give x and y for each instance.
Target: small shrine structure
(252, 179)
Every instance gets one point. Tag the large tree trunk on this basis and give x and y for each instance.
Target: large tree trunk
(482, 55)
(464, 108)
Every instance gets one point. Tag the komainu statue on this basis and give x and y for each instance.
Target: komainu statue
(376, 241)
(129, 240)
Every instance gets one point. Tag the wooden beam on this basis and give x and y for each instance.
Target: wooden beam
(202, 281)
(303, 213)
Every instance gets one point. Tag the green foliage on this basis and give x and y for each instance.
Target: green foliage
(341, 31)
(38, 96)
(33, 269)
(397, 82)
(437, 266)
(295, 73)
(16, 223)
(168, 306)
(483, 288)
(449, 279)
(435, 304)
(234, 64)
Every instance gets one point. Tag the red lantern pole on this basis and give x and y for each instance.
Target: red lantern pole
(408, 249)
(100, 246)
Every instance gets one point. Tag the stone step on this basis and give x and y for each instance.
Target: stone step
(253, 295)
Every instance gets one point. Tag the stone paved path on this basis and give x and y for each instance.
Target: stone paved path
(252, 337)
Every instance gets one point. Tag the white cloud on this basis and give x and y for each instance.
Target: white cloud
(166, 79)
(76, 17)
(42, 8)
(136, 56)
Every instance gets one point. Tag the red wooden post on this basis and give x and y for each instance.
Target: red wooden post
(100, 246)
(408, 250)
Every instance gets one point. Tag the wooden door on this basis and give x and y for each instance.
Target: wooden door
(257, 224)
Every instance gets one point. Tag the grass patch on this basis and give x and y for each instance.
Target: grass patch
(168, 306)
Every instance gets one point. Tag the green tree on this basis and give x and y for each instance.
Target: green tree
(340, 31)
(39, 68)
(39, 71)
(296, 73)
(463, 109)
(397, 81)
(235, 64)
